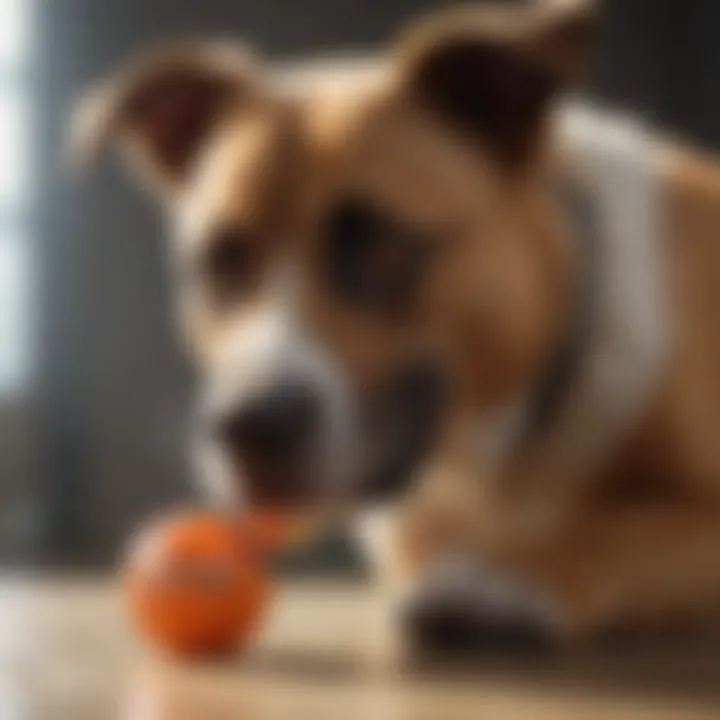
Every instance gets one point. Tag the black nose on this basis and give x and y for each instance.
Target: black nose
(274, 427)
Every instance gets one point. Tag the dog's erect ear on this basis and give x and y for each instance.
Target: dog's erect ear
(493, 70)
(164, 106)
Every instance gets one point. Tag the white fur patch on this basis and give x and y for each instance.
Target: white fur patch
(629, 345)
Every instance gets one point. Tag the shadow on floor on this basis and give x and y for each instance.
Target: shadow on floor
(673, 668)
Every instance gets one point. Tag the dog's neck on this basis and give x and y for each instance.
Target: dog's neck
(554, 387)
(532, 276)
(618, 367)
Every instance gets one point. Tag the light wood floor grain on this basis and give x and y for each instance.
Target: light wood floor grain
(67, 653)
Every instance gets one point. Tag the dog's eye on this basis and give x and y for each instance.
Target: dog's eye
(373, 260)
(227, 267)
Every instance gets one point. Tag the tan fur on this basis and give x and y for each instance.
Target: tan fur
(642, 543)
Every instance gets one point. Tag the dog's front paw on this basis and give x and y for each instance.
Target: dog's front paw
(463, 607)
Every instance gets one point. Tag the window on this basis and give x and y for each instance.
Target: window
(15, 244)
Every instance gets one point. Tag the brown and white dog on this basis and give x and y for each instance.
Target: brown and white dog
(424, 273)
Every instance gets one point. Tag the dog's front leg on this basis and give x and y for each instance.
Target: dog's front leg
(610, 568)
(454, 599)
(440, 560)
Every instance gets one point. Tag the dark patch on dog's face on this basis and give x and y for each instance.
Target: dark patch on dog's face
(228, 268)
(373, 261)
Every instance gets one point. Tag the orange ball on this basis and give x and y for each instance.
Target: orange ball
(196, 584)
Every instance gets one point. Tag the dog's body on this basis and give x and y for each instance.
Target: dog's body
(388, 254)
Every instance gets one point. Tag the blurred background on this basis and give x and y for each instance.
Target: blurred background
(94, 393)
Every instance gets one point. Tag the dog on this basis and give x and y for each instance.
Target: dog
(425, 284)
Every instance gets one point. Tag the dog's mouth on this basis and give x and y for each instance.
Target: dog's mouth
(282, 482)
(277, 485)
(402, 424)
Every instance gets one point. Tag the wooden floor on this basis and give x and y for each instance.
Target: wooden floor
(66, 653)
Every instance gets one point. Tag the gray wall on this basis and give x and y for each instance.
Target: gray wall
(663, 57)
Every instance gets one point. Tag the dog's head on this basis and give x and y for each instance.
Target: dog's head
(353, 249)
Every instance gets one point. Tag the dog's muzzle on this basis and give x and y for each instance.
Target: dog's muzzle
(289, 445)
(289, 426)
